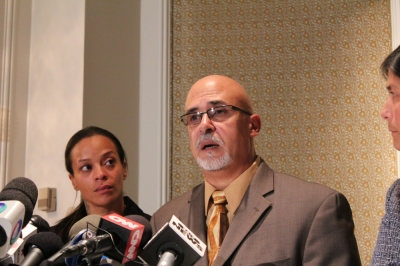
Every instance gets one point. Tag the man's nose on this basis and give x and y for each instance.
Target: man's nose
(206, 124)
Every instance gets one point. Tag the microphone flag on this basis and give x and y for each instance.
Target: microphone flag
(128, 235)
(176, 238)
(11, 223)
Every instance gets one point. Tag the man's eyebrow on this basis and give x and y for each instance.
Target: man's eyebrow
(192, 110)
(219, 102)
(212, 103)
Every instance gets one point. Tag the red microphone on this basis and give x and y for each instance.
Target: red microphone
(127, 235)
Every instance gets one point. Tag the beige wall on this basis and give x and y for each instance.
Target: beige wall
(311, 69)
(125, 88)
(111, 75)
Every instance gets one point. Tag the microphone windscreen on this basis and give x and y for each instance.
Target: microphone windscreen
(48, 242)
(41, 224)
(21, 189)
(26, 186)
(88, 222)
(147, 232)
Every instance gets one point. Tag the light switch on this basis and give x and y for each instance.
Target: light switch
(47, 199)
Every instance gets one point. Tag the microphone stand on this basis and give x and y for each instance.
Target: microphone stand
(91, 260)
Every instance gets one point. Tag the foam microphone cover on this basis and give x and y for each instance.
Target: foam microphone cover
(90, 222)
(41, 224)
(25, 185)
(40, 247)
(23, 190)
(147, 232)
(48, 242)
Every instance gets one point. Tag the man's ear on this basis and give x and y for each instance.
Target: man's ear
(73, 182)
(255, 125)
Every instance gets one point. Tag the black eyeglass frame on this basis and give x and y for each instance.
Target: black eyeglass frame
(185, 122)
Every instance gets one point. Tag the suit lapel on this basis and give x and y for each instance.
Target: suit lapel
(193, 216)
(253, 205)
(197, 213)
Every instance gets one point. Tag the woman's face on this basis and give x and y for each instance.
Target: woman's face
(391, 109)
(98, 173)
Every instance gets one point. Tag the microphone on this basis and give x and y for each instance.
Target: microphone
(17, 200)
(22, 189)
(117, 237)
(147, 233)
(36, 225)
(129, 234)
(83, 229)
(90, 222)
(41, 224)
(39, 247)
(173, 245)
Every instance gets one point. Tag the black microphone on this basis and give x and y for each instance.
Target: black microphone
(40, 247)
(41, 224)
(17, 200)
(173, 245)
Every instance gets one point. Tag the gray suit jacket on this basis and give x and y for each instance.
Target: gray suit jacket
(281, 220)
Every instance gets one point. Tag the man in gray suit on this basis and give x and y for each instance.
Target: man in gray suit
(274, 219)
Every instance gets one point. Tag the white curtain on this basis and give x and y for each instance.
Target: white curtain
(7, 9)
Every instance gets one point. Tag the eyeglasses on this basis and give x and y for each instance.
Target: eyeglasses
(216, 114)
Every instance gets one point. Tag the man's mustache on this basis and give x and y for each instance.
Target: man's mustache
(208, 136)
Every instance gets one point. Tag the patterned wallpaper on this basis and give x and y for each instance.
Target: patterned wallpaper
(312, 71)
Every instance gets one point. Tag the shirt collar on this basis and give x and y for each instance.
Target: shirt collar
(235, 191)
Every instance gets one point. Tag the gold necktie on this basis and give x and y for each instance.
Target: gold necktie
(218, 225)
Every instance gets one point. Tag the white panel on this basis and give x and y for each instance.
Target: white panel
(55, 95)
(154, 105)
(5, 84)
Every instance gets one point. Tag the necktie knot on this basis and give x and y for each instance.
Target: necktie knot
(219, 197)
